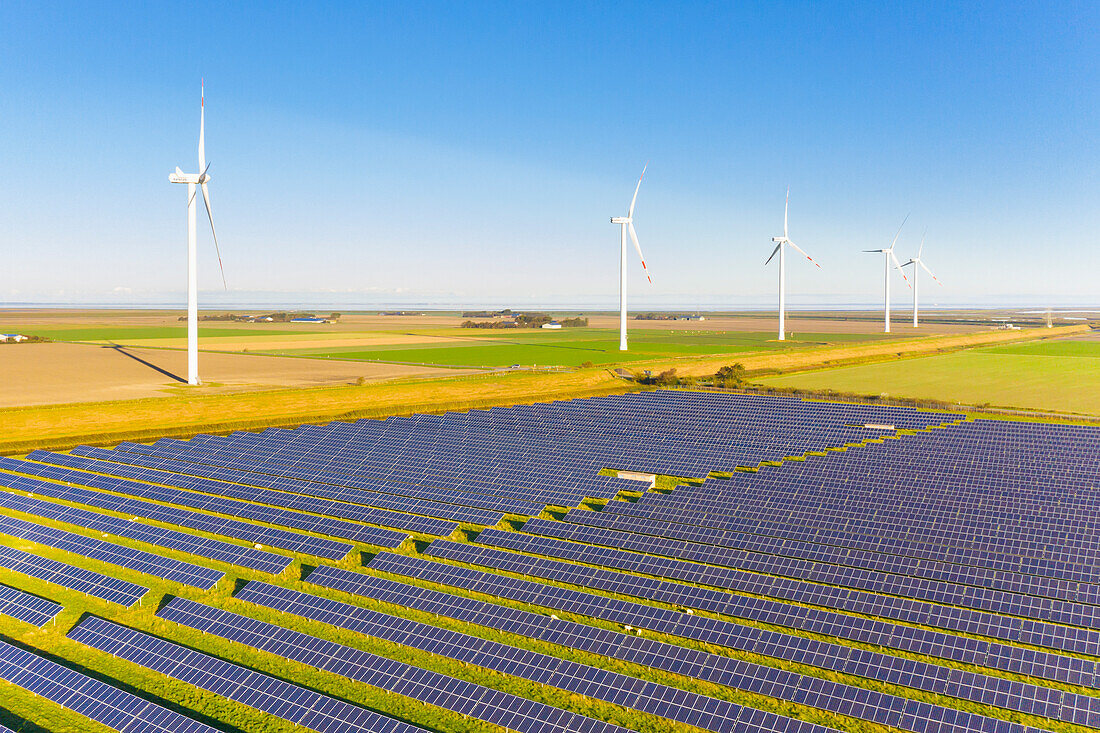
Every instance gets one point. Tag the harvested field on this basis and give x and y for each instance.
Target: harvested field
(51, 373)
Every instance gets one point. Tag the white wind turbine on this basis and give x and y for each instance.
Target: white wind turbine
(626, 225)
(780, 247)
(887, 255)
(918, 264)
(200, 180)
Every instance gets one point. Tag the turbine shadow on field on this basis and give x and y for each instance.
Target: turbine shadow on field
(151, 365)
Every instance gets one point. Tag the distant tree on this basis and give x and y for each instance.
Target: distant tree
(587, 365)
(732, 375)
(334, 316)
(666, 378)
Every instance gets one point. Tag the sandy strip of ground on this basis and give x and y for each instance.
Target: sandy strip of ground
(51, 373)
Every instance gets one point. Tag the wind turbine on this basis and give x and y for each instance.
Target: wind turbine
(780, 247)
(192, 180)
(918, 264)
(887, 255)
(626, 224)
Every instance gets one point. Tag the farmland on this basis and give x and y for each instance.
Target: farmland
(1061, 375)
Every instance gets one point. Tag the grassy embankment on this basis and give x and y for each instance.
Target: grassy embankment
(1057, 376)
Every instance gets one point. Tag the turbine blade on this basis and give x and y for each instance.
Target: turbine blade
(202, 127)
(630, 213)
(898, 265)
(811, 259)
(930, 273)
(786, 207)
(773, 253)
(899, 232)
(919, 251)
(210, 216)
(634, 238)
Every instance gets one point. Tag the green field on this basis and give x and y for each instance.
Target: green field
(1056, 375)
(1086, 348)
(574, 347)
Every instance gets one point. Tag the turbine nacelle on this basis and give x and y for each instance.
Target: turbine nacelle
(621, 219)
(779, 240)
(180, 177)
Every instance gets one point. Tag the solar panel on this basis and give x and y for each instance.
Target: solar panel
(1007, 658)
(465, 698)
(127, 557)
(235, 529)
(82, 580)
(297, 518)
(248, 557)
(282, 699)
(25, 607)
(90, 697)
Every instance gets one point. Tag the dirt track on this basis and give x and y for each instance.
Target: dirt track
(51, 373)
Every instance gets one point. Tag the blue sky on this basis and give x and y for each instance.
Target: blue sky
(473, 152)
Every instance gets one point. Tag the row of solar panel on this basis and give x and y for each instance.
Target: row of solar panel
(746, 676)
(476, 492)
(835, 587)
(235, 529)
(845, 484)
(145, 562)
(114, 708)
(318, 500)
(1009, 554)
(293, 518)
(386, 504)
(910, 579)
(677, 539)
(25, 607)
(1006, 628)
(282, 699)
(248, 557)
(82, 580)
(459, 696)
(966, 650)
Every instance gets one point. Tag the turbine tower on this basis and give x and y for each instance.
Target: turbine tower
(918, 264)
(626, 225)
(887, 255)
(192, 180)
(781, 247)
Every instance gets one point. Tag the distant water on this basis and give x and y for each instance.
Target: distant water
(352, 301)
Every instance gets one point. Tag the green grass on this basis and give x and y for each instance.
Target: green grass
(1039, 376)
(573, 347)
(137, 333)
(1090, 348)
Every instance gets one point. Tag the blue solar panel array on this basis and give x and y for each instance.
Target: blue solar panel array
(27, 608)
(248, 557)
(81, 580)
(548, 453)
(282, 699)
(235, 529)
(242, 506)
(465, 698)
(114, 708)
(108, 552)
(887, 585)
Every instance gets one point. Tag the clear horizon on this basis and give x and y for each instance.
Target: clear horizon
(475, 153)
